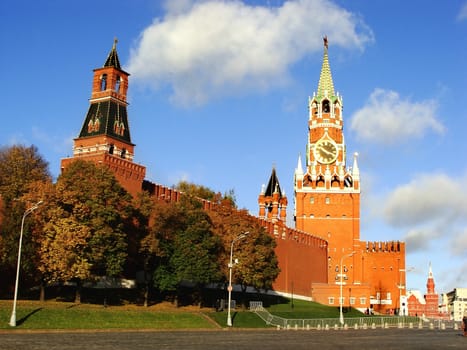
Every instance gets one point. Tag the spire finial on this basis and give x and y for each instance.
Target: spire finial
(325, 84)
(112, 59)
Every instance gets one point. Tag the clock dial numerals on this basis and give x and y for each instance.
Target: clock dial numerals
(325, 151)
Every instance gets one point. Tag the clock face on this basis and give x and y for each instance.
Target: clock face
(325, 151)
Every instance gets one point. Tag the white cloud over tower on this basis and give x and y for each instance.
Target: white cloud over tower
(204, 49)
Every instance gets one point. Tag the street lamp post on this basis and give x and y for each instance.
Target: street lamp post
(341, 315)
(229, 288)
(26, 213)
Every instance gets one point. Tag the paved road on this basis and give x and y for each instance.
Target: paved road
(236, 339)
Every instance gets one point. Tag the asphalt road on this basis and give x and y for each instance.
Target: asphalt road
(233, 339)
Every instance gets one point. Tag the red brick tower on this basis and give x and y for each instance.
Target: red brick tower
(105, 134)
(428, 305)
(327, 193)
(272, 201)
(431, 297)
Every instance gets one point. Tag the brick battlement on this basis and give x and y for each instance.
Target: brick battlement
(390, 246)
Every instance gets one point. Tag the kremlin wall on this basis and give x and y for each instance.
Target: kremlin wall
(322, 258)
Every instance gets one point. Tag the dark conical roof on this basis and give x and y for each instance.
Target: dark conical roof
(112, 59)
(273, 185)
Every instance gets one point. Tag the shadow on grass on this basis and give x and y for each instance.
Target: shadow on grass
(24, 319)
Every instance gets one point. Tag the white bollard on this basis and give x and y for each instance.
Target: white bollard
(356, 326)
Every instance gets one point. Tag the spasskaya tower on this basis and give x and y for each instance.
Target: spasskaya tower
(327, 192)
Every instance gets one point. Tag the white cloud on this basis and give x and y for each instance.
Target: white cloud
(426, 198)
(459, 243)
(432, 207)
(204, 49)
(462, 13)
(387, 118)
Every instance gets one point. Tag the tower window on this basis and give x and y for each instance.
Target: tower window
(312, 200)
(104, 82)
(123, 153)
(327, 200)
(111, 149)
(117, 83)
(326, 108)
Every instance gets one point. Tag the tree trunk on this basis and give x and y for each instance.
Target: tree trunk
(78, 292)
(42, 291)
(146, 295)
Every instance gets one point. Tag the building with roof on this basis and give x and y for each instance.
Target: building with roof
(426, 305)
(457, 303)
(105, 134)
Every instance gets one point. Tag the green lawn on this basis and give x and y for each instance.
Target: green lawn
(309, 310)
(53, 315)
(66, 315)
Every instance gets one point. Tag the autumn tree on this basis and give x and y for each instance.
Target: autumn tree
(20, 167)
(87, 232)
(257, 266)
(199, 191)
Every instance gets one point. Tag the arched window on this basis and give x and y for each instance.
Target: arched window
(326, 108)
(123, 154)
(118, 83)
(104, 82)
(111, 149)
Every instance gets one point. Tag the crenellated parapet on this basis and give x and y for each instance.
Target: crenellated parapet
(386, 247)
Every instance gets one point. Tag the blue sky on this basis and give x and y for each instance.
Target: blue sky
(218, 95)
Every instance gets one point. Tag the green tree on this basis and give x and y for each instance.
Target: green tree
(187, 249)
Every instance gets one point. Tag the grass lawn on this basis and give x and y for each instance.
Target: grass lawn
(309, 310)
(61, 315)
(66, 315)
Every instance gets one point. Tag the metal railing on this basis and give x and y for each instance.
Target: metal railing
(368, 322)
